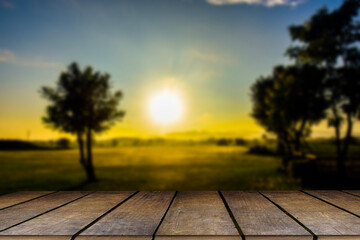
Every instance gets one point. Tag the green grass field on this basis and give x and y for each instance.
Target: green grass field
(195, 167)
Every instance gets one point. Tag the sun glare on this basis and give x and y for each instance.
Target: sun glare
(165, 106)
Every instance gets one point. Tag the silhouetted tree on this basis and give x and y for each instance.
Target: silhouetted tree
(287, 103)
(63, 143)
(330, 40)
(240, 142)
(82, 104)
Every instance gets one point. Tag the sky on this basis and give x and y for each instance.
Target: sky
(209, 51)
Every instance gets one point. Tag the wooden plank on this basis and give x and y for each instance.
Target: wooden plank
(22, 212)
(197, 215)
(353, 192)
(31, 237)
(340, 199)
(68, 220)
(11, 199)
(260, 219)
(136, 218)
(326, 221)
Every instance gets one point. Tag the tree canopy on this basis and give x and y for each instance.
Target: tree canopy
(323, 82)
(82, 100)
(288, 102)
(82, 104)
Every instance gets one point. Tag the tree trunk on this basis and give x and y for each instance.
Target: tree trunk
(307, 146)
(81, 150)
(297, 143)
(288, 153)
(280, 147)
(339, 160)
(285, 161)
(298, 136)
(346, 144)
(90, 168)
(281, 151)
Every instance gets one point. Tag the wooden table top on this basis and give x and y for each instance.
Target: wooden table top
(175, 215)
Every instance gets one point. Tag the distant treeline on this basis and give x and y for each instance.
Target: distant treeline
(65, 143)
(262, 146)
(18, 145)
(62, 143)
(169, 141)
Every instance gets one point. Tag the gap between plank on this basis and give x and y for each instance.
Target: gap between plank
(101, 216)
(315, 237)
(28, 200)
(350, 193)
(330, 203)
(163, 217)
(237, 226)
(45, 212)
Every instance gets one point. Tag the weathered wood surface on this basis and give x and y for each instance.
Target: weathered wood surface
(137, 217)
(324, 220)
(19, 197)
(188, 215)
(197, 214)
(353, 192)
(339, 199)
(260, 219)
(69, 219)
(19, 213)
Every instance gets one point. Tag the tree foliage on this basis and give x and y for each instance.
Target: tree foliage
(288, 102)
(63, 143)
(326, 76)
(330, 40)
(82, 104)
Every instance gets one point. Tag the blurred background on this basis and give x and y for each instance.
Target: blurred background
(180, 95)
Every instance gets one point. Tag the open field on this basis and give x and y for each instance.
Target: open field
(195, 167)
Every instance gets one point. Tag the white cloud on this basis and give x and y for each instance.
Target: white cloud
(8, 56)
(268, 3)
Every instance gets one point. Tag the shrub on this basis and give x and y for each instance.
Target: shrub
(260, 150)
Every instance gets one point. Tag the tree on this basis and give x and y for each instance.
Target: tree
(82, 104)
(287, 103)
(63, 143)
(330, 40)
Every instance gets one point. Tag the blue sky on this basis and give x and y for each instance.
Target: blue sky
(211, 51)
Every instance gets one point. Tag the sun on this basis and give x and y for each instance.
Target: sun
(165, 106)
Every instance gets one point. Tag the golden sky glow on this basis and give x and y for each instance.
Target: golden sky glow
(166, 106)
(208, 54)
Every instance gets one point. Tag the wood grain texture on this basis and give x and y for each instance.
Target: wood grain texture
(53, 237)
(260, 219)
(326, 221)
(354, 192)
(197, 237)
(195, 214)
(340, 199)
(19, 213)
(69, 219)
(138, 217)
(120, 237)
(221, 238)
(19, 197)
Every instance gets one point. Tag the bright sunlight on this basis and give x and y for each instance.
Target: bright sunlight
(165, 106)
